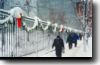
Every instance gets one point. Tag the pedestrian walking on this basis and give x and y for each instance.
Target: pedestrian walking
(59, 46)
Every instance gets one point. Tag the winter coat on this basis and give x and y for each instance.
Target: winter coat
(69, 39)
(80, 36)
(75, 37)
(72, 38)
(58, 44)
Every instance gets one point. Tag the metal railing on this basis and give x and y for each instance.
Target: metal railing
(15, 42)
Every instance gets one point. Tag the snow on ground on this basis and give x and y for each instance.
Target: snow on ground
(37, 41)
(42, 48)
(74, 52)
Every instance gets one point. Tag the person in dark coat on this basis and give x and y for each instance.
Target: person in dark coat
(59, 46)
(70, 41)
(75, 37)
(72, 38)
(80, 36)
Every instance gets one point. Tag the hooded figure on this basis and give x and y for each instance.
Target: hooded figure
(59, 46)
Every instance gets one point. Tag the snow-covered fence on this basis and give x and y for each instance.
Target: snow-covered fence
(15, 42)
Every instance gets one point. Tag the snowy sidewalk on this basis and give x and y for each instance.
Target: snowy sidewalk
(74, 52)
(68, 53)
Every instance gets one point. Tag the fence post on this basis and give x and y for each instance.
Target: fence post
(3, 41)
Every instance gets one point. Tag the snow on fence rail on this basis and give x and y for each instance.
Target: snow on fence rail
(16, 42)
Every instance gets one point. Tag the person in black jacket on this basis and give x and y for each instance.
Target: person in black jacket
(80, 36)
(59, 46)
(70, 41)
